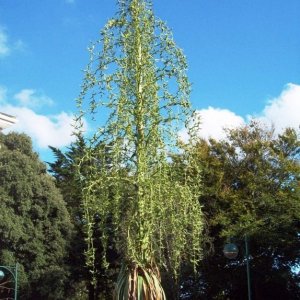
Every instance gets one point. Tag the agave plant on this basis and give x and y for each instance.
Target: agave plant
(137, 282)
(136, 80)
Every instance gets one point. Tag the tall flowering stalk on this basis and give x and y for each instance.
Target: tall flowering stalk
(136, 81)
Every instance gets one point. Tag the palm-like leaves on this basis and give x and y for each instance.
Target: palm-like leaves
(141, 283)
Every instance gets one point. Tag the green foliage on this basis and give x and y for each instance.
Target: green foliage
(137, 76)
(263, 182)
(146, 285)
(35, 224)
(64, 171)
(251, 186)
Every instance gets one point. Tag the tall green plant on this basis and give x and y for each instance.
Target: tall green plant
(137, 77)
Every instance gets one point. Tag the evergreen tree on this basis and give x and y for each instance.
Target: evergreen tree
(251, 187)
(35, 225)
(64, 171)
(137, 77)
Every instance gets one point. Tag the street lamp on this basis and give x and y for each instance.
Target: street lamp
(9, 280)
(231, 251)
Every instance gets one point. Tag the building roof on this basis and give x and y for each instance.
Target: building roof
(6, 120)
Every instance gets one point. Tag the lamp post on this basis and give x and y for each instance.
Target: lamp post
(9, 274)
(231, 251)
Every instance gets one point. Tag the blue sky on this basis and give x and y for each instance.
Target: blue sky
(243, 55)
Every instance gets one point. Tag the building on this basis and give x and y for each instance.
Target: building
(6, 121)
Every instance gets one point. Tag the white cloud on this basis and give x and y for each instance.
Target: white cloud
(7, 46)
(44, 130)
(283, 111)
(31, 98)
(55, 130)
(4, 47)
(213, 121)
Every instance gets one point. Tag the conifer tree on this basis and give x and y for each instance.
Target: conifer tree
(137, 78)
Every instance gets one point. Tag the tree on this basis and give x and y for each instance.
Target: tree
(64, 171)
(137, 77)
(79, 285)
(35, 224)
(251, 187)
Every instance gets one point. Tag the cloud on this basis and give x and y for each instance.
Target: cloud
(214, 120)
(212, 123)
(283, 111)
(31, 98)
(44, 130)
(55, 130)
(7, 46)
(4, 47)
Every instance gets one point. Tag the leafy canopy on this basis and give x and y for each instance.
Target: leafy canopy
(251, 186)
(35, 225)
